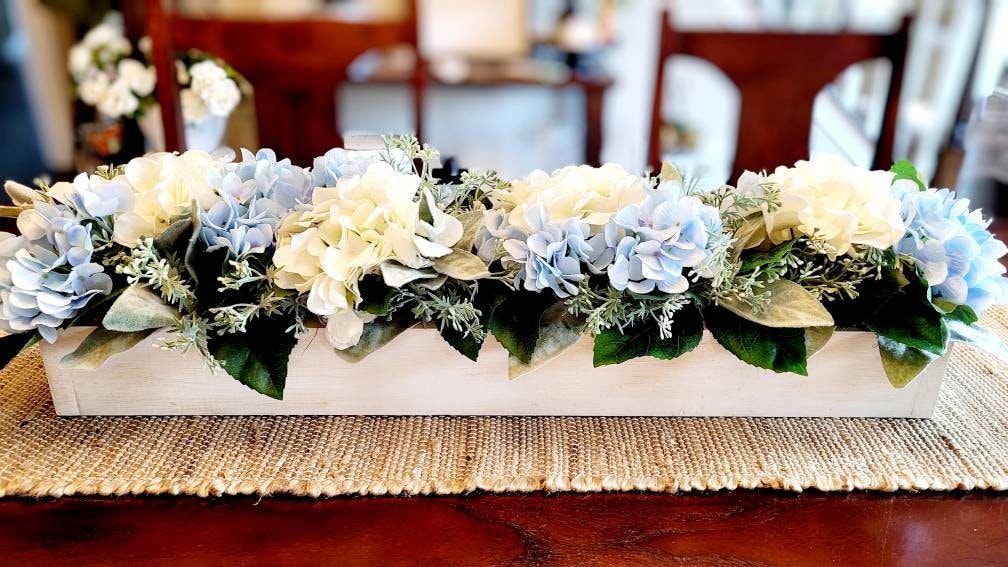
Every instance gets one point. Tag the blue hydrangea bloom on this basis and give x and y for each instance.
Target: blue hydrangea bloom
(652, 245)
(240, 227)
(46, 273)
(952, 247)
(336, 163)
(262, 175)
(551, 256)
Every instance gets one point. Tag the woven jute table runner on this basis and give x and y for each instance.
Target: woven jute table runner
(964, 446)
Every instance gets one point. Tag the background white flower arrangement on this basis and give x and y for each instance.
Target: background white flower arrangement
(117, 84)
(237, 255)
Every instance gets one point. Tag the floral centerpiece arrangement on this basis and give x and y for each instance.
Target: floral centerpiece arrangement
(116, 84)
(236, 256)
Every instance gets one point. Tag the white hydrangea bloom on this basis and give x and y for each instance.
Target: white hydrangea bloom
(140, 78)
(119, 100)
(205, 74)
(93, 88)
(588, 194)
(221, 97)
(193, 109)
(165, 185)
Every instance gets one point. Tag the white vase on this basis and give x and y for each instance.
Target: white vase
(205, 135)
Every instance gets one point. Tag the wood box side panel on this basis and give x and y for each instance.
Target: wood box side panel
(418, 374)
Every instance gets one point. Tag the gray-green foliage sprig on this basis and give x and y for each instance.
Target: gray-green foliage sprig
(145, 265)
(451, 306)
(192, 333)
(608, 307)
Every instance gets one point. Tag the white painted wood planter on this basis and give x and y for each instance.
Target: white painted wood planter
(418, 374)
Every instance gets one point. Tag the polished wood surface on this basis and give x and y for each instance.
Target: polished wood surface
(778, 76)
(295, 67)
(731, 528)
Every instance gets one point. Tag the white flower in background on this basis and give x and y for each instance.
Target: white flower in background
(93, 196)
(839, 203)
(140, 78)
(205, 74)
(193, 109)
(93, 88)
(181, 73)
(79, 61)
(221, 97)
(584, 193)
(119, 100)
(166, 185)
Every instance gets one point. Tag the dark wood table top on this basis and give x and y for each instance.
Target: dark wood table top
(725, 528)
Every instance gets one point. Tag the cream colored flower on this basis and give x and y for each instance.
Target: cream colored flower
(193, 109)
(221, 97)
(351, 230)
(119, 100)
(93, 88)
(589, 194)
(166, 185)
(839, 203)
(140, 78)
(206, 73)
(345, 328)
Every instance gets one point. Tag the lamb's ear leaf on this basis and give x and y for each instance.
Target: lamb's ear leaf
(559, 331)
(902, 363)
(377, 334)
(791, 306)
(169, 239)
(670, 172)
(101, 344)
(138, 309)
(462, 265)
(21, 195)
(471, 223)
(11, 345)
(816, 338)
(977, 336)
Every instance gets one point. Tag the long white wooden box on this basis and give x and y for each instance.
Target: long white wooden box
(418, 374)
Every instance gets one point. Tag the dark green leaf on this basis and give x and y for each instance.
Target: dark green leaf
(257, 358)
(558, 331)
(515, 318)
(467, 345)
(177, 234)
(777, 349)
(11, 345)
(643, 339)
(904, 169)
(376, 297)
(772, 257)
(872, 294)
(909, 318)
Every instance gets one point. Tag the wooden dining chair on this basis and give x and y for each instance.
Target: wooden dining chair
(778, 76)
(295, 67)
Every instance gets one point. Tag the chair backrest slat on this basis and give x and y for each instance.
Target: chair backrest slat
(295, 67)
(778, 76)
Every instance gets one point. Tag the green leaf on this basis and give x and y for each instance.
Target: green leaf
(872, 294)
(904, 169)
(816, 338)
(11, 345)
(462, 265)
(467, 345)
(771, 257)
(977, 336)
(643, 339)
(515, 320)
(750, 233)
(963, 314)
(791, 306)
(558, 332)
(396, 275)
(138, 309)
(902, 363)
(377, 334)
(101, 344)
(376, 297)
(780, 350)
(178, 231)
(909, 317)
(257, 358)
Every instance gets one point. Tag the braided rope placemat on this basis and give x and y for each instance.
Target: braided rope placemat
(964, 446)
